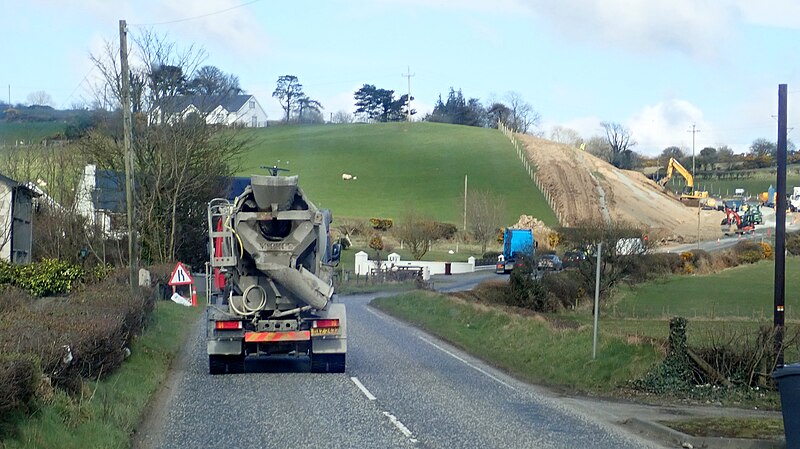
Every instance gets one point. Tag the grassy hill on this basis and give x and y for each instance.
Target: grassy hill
(28, 132)
(399, 165)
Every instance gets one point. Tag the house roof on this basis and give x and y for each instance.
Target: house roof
(16, 185)
(203, 103)
(109, 191)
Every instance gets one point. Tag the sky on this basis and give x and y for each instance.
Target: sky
(657, 67)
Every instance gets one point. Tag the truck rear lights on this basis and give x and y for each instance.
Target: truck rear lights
(326, 323)
(228, 325)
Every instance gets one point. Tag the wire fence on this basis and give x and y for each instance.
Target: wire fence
(531, 169)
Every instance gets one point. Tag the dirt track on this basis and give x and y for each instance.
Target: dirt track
(585, 188)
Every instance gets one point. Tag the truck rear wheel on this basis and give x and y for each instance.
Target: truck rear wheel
(328, 363)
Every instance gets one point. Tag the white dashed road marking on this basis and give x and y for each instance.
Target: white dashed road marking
(363, 389)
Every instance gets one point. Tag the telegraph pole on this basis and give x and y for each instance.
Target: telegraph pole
(408, 103)
(780, 228)
(126, 131)
(693, 131)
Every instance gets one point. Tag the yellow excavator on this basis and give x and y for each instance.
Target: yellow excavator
(689, 196)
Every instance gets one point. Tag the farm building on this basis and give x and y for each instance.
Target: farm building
(16, 221)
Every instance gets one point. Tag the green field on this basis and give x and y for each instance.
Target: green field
(28, 132)
(399, 166)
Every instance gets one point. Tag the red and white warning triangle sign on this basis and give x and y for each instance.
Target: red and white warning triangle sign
(180, 276)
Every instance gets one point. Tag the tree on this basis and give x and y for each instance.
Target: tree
(40, 98)
(380, 104)
(763, 149)
(619, 140)
(726, 156)
(288, 92)
(498, 113)
(458, 111)
(309, 106)
(567, 136)
(211, 81)
(615, 265)
(708, 157)
(598, 146)
(671, 152)
(179, 164)
(342, 117)
(523, 117)
(417, 231)
(485, 213)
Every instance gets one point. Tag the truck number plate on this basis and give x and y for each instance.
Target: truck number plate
(324, 331)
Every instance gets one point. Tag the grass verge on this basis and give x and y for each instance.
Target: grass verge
(528, 347)
(760, 428)
(106, 412)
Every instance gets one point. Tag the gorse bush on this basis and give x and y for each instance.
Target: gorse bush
(381, 224)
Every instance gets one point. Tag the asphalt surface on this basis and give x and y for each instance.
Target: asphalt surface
(402, 388)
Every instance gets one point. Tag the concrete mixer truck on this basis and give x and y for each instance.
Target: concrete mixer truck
(272, 246)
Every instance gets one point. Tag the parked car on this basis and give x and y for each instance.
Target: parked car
(549, 262)
(572, 259)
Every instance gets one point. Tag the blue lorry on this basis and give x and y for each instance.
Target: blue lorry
(518, 244)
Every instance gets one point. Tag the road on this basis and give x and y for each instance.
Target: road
(403, 388)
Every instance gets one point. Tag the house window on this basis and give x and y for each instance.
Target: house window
(252, 104)
(254, 121)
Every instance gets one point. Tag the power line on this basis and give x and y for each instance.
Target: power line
(186, 19)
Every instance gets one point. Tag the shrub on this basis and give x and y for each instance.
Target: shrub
(381, 224)
(649, 266)
(376, 243)
(19, 374)
(445, 231)
(45, 278)
(793, 243)
(564, 288)
(766, 248)
(750, 256)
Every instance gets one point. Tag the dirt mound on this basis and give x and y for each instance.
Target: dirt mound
(585, 188)
(540, 230)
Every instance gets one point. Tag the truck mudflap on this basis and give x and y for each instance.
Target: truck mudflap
(335, 342)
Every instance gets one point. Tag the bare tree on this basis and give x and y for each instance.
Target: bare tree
(598, 146)
(40, 98)
(621, 242)
(179, 163)
(566, 136)
(619, 140)
(342, 117)
(523, 117)
(417, 231)
(485, 213)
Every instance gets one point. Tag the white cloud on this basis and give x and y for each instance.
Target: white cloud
(778, 13)
(669, 123)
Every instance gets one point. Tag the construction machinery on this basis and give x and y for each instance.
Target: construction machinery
(272, 245)
(688, 196)
(733, 223)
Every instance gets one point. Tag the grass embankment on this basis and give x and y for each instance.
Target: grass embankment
(528, 347)
(399, 166)
(733, 302)
(108, 411)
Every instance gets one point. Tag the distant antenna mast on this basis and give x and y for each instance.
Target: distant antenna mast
(408, 100)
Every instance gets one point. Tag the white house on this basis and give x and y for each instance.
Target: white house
(240, 110)
(16, 221)
(101, 197)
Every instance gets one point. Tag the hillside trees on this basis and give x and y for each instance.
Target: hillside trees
(417, 231)
(708, 157)
(523, 117)
(40, 98)
(567, 136)
(458, 111)
(179, 165)
(311, 108)
(485, 214)
(380, 104)
(210, 80)
(620, 141)
(288, 92)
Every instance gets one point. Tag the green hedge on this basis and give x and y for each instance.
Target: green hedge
(49, 277)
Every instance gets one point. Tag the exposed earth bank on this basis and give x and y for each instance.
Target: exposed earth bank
(586, 189)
